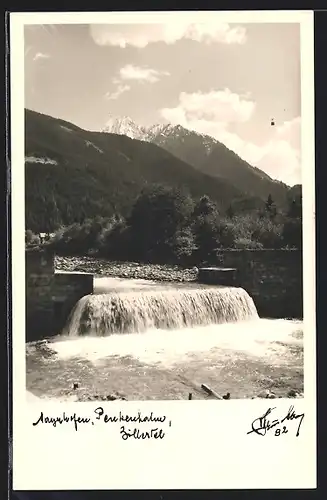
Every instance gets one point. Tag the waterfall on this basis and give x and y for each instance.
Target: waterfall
(136, 312)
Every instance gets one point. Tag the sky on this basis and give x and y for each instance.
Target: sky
(225, 80)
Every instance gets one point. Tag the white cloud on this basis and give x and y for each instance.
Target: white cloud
(278, 157)
(140, 36)
(131, 72)
(120, 90)
(27, 50)
(136, 74)
(214, 112)
(291, 132)
(40, 55)
(281, 156)
(217, 106)
(213, 32)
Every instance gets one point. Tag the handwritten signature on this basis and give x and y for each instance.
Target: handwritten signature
(263, 424)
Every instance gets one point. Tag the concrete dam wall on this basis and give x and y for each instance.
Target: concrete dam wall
(273, 278)
(50, 296)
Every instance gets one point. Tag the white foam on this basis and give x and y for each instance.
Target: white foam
(263, 338)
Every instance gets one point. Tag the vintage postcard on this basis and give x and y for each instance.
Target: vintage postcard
(163, 250)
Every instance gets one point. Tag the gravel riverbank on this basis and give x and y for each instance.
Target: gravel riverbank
(130, 270)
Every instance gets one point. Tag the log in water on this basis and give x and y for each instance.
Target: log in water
(139, 311)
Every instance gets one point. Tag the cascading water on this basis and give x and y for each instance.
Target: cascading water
(178, 336)
(136, 312)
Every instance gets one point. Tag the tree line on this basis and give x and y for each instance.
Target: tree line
(166, 225)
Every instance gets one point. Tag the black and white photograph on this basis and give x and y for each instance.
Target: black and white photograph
(163, 211)
(167, 219)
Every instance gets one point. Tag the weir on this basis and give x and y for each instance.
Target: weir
(272, 278)
(137, 312)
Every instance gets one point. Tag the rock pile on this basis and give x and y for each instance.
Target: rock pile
(128, 270)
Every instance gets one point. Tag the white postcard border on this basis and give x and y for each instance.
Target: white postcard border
(207, 446)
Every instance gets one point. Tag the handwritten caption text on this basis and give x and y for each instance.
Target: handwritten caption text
(158, 423)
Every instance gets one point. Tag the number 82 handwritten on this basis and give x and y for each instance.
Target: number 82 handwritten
(278, 432)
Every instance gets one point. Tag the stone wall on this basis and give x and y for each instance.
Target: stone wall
(50, 296)
(217, 275)
(273, 278)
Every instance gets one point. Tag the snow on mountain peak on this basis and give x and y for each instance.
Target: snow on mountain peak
(153, 133)
(124, 126)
